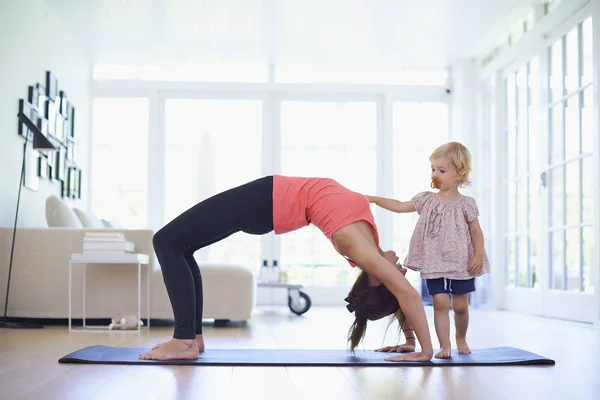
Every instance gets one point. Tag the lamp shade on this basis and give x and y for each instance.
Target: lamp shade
(40, 141)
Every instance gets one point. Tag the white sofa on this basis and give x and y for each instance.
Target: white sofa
(39, 284)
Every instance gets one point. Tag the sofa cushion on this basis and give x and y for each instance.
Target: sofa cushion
(88, 220)
(59, 214)
(111, 224)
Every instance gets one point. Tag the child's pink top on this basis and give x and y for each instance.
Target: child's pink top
(441, 246)
(320, 201)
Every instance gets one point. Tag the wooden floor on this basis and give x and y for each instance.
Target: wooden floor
(29, 368)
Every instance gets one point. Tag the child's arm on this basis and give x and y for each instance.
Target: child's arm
(476, 263)
(392, 205)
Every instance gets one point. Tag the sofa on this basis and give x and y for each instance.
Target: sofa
(39, 283)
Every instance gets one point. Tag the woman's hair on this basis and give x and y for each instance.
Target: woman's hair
(460, 157)
(369, 303)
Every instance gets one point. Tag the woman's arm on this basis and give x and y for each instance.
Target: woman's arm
(392, 205)
(409, 346)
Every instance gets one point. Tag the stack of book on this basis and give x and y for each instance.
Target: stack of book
(107, 243)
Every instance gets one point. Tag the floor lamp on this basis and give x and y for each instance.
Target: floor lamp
(41, 143)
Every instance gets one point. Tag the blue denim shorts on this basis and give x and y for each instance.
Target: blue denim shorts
(450, 286)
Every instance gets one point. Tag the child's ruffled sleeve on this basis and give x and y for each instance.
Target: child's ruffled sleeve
(470, 209)
(419, 200)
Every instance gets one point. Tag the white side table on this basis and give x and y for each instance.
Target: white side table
(111, 258)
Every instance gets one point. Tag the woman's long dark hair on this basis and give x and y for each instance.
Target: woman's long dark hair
(370, 303)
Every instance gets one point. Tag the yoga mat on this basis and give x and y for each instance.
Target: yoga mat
(302, 357)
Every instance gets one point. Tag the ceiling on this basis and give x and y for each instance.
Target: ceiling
(352, 34)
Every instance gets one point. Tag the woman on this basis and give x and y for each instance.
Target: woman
(282, 204)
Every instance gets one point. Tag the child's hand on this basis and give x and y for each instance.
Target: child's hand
(401, 269)
(476, 265)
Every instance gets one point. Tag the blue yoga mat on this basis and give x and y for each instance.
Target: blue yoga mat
(284, 357)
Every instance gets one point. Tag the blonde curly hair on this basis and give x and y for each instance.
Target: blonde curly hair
(460, 157)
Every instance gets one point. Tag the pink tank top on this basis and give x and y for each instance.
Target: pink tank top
(320, 201)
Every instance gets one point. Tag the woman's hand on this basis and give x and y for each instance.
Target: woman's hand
(416, 357)
(403, 348)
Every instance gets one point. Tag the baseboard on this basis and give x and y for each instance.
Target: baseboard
(154, 322)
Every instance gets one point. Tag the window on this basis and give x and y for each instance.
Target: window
(523, 159)
(119, 166)
(420, 77)
(570, 164)
(334, 140)
(211, 146)
(424, 126)
(206, 72)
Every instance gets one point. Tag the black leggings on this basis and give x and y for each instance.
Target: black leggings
(247, 208)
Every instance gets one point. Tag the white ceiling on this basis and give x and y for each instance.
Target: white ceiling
(353, 34)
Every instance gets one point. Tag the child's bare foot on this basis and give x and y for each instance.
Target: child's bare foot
(199, 341)
(443, 353)
(174, 349)
(462, 346)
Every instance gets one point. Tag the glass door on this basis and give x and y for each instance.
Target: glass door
(550, 181)
(334, 139)
(418, 128)
(569, 176)
(212, 145)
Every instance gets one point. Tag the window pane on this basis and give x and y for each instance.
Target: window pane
(203, 139)
(120, 160)
(133, 208)
(557, 138)
(587, 121)
(589, 189)
(327, 139)
(523, 251)
(511, 152)
(177, 160)
(534, 242)
(573, 259)
(205, 72)
(588, 51)
(511, 203)
(535, 145)
(556, 70)
(522, 199)
(511, 100)
(557, 246)
(426, 124)
(572, 58)
(533, 84)
(293, 74)
(572, 127)
(572, 193)
(588, 249)
(522, 150)
(512, 262)
(522, 100)
(534, 204)
(557, 188)
(108, 169)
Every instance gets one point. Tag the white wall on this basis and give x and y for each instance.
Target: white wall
(32, 40)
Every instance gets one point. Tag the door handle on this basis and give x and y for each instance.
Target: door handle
(543, 178)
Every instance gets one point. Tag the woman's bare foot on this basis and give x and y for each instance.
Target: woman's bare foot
(462, 346)
(174, 349)
(199, 341)
(443, 353)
